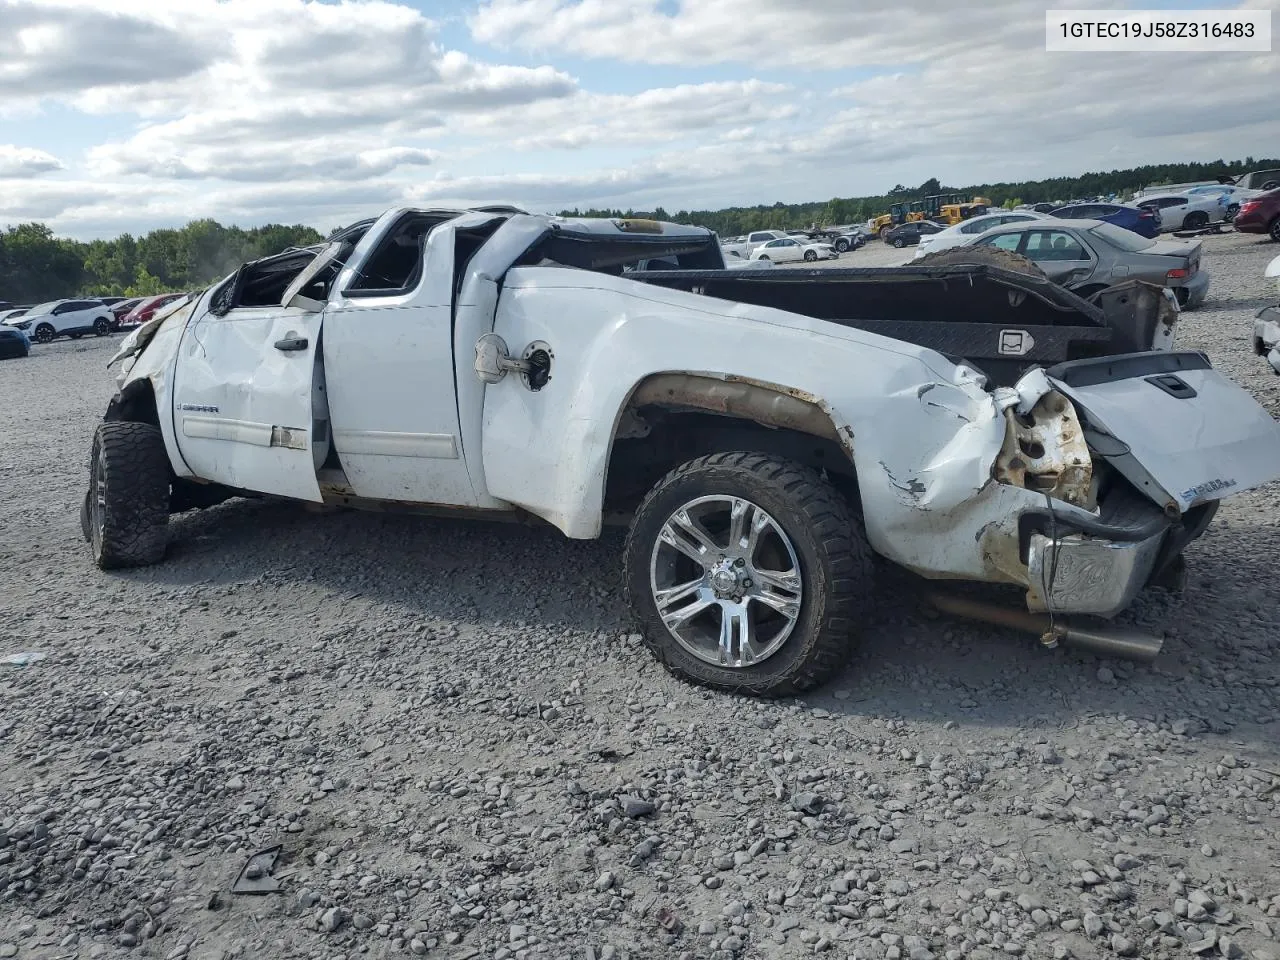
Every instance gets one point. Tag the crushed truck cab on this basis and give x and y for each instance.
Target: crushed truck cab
(763, 433)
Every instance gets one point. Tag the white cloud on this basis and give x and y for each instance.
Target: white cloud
(296, 110)
(26, 162)
(797, 33)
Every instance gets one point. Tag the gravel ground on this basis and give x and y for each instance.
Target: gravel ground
(462, 749)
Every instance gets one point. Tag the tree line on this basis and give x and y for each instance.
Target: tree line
(36, 266)
(734, 221)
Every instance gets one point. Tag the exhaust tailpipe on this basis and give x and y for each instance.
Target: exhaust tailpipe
(1107, 641)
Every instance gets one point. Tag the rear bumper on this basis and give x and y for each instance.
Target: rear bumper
(1197, 288)
(1083, 572)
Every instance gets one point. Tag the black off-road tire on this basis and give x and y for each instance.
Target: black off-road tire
(836, 563)
(127, 523)
(44, 333)
(988, 256)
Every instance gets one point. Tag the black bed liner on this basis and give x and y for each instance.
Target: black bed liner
(1000, 320)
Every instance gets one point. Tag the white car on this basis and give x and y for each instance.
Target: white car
(1186, 211)
(65, 318)
(1266, 327)
(1235, 195)
(789, 249)
(957, 234)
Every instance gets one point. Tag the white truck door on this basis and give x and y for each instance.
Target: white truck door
(388, 357)
(242, 399)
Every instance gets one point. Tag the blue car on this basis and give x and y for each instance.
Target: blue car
(13, 343)
(1145, 223)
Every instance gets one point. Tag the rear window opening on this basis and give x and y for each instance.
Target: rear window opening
(395, 267)
(624, 254)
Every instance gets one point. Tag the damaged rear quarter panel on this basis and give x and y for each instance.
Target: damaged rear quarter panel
(923, 434)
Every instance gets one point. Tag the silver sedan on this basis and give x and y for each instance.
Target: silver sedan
(1089, 255)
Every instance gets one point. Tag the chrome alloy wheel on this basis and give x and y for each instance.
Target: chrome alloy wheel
(726, 581)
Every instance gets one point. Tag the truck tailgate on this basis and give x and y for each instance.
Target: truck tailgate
(1176, 428)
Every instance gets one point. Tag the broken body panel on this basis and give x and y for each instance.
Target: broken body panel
(1031, 482)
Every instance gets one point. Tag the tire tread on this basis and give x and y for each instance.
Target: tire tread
(135, 528)
(841, 539)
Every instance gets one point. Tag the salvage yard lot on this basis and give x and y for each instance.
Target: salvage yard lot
(448, 726)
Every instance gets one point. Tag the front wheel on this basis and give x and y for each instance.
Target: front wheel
(748, 573)
(102, 326)
(126, 509)
(810, 256)
(842, 245)
(764, 258)
(44, 333)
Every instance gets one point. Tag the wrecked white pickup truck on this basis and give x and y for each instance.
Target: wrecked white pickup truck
(763, 432)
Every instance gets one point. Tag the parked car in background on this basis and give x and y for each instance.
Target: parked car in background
(906, 234)
(111, 301)
(733, 260)
(1186, 211)
(1143, 221)
(146, 309)
(121, 310)
(12, 313)
(1235, 196)
(846, 238)
(1087, 256)
(754, 240)
(13, 343)
(1266, 327)
(1261, 215)
(1260, 180)
(957, 234)
(65, 318)
(789, 249)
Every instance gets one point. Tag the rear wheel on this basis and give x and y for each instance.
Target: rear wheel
(988, 256)
(43, 333)
(899, 243)
(126, 510)
(748, 573)
(1273, 229)
(102, 326)
(1195, 220)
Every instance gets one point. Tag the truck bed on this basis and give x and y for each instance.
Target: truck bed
(1000, 321)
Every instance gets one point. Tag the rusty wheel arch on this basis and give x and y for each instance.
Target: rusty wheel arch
(768, 404)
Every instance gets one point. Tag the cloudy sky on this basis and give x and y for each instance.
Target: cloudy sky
(131, 114)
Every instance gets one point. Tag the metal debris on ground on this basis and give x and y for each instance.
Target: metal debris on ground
(255, 875)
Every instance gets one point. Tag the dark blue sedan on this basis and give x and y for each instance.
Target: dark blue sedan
(13, 343)
(1145, 223)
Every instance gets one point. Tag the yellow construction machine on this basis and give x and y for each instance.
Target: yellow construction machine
(898, 213)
